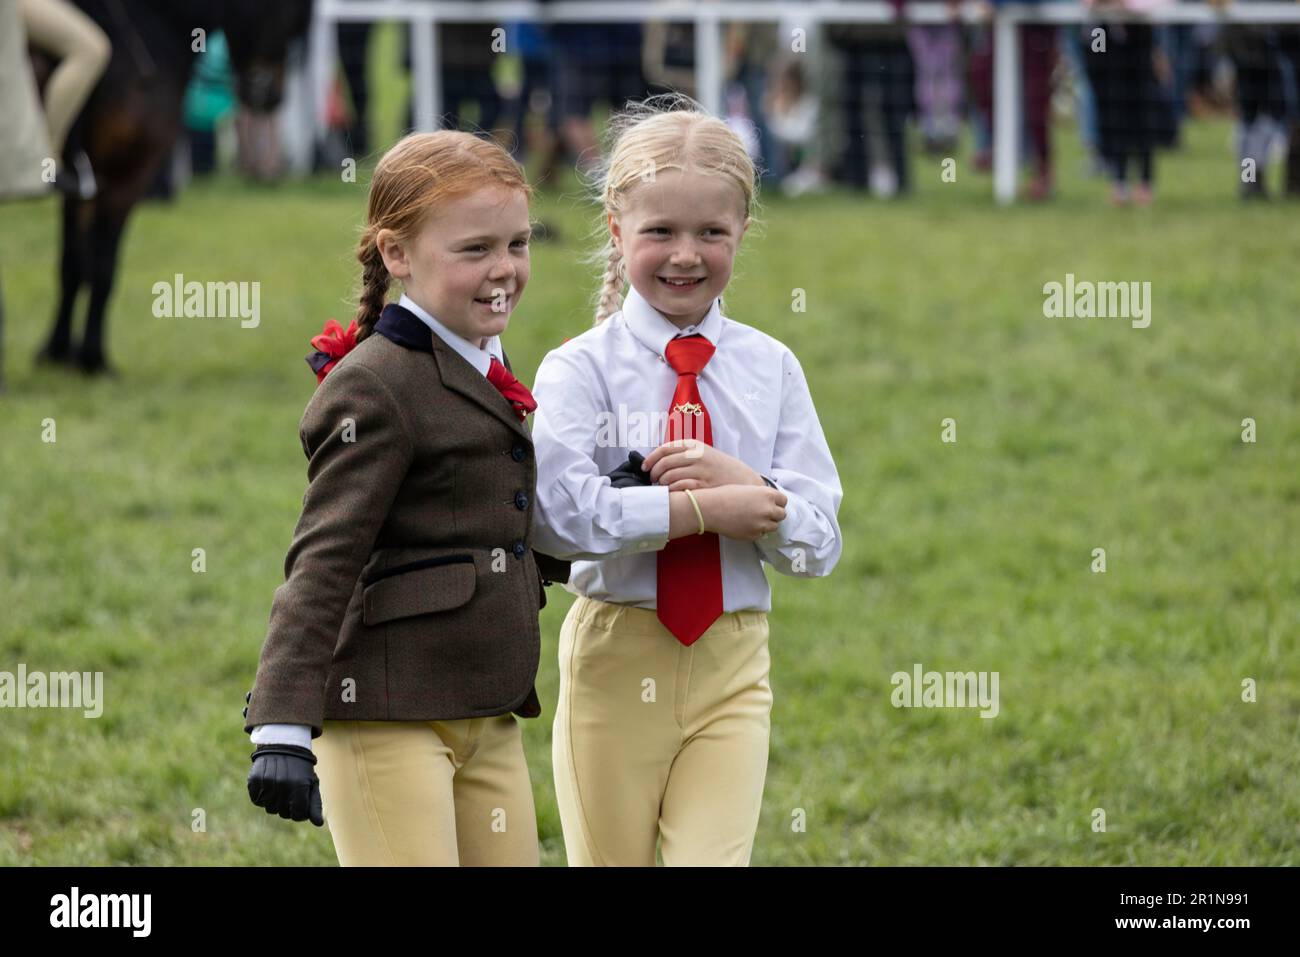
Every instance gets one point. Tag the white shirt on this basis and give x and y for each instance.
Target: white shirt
(480, 359)
(597, 396)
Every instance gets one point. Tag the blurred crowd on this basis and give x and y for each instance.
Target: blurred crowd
(816, 107)
(835, 105)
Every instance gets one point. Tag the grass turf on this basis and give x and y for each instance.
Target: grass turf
(1119, 691)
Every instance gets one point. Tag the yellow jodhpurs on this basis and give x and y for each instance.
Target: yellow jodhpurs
(427, 793)
(654, 739)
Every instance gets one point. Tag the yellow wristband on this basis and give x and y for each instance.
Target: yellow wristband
(698, 513)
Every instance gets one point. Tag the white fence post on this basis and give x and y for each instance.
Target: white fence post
(708, 63)
(1006, 106)
(426, 77)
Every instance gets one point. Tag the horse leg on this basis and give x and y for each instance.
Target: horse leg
(105, 237)
(58, 348)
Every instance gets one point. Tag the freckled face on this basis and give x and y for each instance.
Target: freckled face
(679, 236)
(468, 265)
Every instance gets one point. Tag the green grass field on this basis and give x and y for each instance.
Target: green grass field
(1120, 691)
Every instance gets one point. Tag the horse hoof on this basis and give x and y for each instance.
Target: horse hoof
(54, 356)
(96, 365)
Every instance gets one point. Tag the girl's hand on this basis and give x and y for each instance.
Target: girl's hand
(741, 512)
(690, 464)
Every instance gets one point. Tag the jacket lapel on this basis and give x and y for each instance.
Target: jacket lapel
(405, 329)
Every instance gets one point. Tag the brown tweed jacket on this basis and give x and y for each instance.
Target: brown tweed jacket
(411, 591)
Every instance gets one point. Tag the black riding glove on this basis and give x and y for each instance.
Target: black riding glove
(283, 782)
(630, 473)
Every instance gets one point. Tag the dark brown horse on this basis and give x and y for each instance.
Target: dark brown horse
(131, 123)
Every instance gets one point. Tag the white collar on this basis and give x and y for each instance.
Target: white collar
(653, 330)
(480, 359)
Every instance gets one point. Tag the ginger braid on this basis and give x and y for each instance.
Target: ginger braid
(374, 286)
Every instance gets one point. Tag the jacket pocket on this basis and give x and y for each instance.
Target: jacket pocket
(419, 588)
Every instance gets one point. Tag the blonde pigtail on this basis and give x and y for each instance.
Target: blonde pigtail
(610, 298)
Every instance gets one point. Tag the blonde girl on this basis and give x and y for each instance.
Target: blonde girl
(661, 731)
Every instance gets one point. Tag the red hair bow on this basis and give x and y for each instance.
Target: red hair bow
(333, 343)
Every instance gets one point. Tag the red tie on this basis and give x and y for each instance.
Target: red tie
(515, 391)
(689, 593)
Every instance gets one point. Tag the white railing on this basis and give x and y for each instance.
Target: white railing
(708, 16)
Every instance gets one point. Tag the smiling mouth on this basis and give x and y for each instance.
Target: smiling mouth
(492, 299)
(681, 282)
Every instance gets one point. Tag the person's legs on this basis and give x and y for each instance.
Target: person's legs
(924, 43)
(1085, 103)
(353, 45)
(535, 74)
(715, 787)
(1146, 170)
(83, 50)
(1110, 85)
(489, 100)
(1146, 167)
(496, 823)
(571, 89)
(897, 105)
(980, 73)
(1118, 163)
(947, 84)
(855, 160)
(616, 731)
(1256, 126)
(1289, 50)
(457, 87)
(386, 791)
(1039, 51)
(753, 77)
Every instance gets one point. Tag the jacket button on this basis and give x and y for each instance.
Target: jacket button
(521, 500)
(520, 548)
(519, 453)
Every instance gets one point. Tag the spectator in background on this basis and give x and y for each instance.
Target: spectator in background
(531, 43)
(593, 62)
(668, 56)
(1085, 102)
(937, 52)
(790, 109)
(803, 109)
(1037, 61)
(1130, 101)
(1289, 45)
(752, 49)
(209, 98)
(467, 59)
(1176, 46)
(354, 48)
(875, 97)
(1265, 98)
